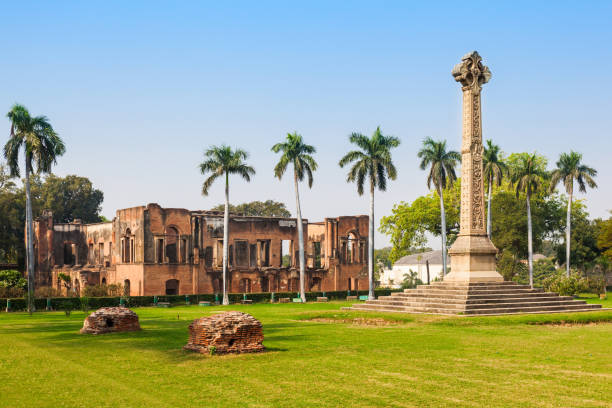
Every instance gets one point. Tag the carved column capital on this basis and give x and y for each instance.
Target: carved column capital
(471, 72)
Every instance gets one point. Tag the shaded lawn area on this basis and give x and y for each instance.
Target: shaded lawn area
(336, 360)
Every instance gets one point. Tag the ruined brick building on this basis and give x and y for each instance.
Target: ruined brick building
(154, 251)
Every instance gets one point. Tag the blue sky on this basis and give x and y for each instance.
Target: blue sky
(138, 90)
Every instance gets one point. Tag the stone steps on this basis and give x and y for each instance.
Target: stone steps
(475, 299)
(465, 300)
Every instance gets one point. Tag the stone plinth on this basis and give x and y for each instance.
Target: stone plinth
(111, 319)
(228, 332)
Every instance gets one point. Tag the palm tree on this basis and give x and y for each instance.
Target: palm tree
(442, 175)
(570, 168)
(294, 151)
(528, 175)
(222, 161)
(494, 171)
(41, 147)
(372, 161)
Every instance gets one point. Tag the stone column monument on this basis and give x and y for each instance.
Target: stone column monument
(473, 253)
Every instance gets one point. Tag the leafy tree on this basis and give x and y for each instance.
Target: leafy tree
(12, 279)
(442, 174)
(374, 162)
(268, 208)
(604, 240)
(221, 161)
(382, 255)
(569, 169)
(299, 155)
(409, 222)
(494, 170)
(583, 242)
(71, 197)
(527, 174)
(511, 227)
(68, 197)
(41, 147)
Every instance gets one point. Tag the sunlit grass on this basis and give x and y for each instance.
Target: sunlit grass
(318, 355)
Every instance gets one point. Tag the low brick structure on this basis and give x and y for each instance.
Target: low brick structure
(111, 319)
(228, 332)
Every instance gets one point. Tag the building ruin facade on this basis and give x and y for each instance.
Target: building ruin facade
(152, 250)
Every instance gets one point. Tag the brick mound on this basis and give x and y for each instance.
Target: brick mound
(111, 319)
(228, 332)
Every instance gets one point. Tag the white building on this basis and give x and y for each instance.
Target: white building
(416, 263)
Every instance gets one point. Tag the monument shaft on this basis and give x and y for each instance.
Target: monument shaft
(473, 253)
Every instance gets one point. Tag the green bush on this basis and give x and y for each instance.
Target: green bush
(597, 284)
(560, 283)
(93, 303)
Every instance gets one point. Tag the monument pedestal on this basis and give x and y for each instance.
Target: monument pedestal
(473, 286)
(473, 260)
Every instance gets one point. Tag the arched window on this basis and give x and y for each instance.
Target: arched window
(172, 287)
(351, 248)
(127, 247)
(126, 287)
(103, 281)
(172, 240)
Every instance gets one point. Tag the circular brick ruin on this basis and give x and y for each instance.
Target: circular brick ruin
(228, 332)
(110, 320)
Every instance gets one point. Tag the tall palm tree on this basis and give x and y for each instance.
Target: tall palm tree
(494, 171)
(296, 152)
(528, 176)
(442, 175)
(570, 168)
(222, 161)
(374, 162)
(41, 148)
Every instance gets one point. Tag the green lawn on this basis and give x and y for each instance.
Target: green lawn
(317, 356)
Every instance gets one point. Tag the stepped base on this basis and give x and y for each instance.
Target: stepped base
(475, 298)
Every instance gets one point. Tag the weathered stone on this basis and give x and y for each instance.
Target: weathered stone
(151, 250)
(473, 254)
(227, 332)
(111, 319)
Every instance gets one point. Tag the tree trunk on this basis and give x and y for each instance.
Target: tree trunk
(300, 228)
(443, 230)
(568, 233)
(371, 245)
(30, 239)
(529, 242)
(225, 240)
(489, 210)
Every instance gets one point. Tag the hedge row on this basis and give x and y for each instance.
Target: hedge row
(76, 303)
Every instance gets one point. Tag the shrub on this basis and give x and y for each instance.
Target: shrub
(47, 292)
(11, 292)
(597, 284)
(11, 278)
(560, 283)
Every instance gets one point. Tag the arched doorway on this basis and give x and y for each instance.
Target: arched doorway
(264, 283)
(244, 286)
(316, 284)
(77, 287)
(172, 287)
(126, 287)
(172, 236)
(103, 281)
